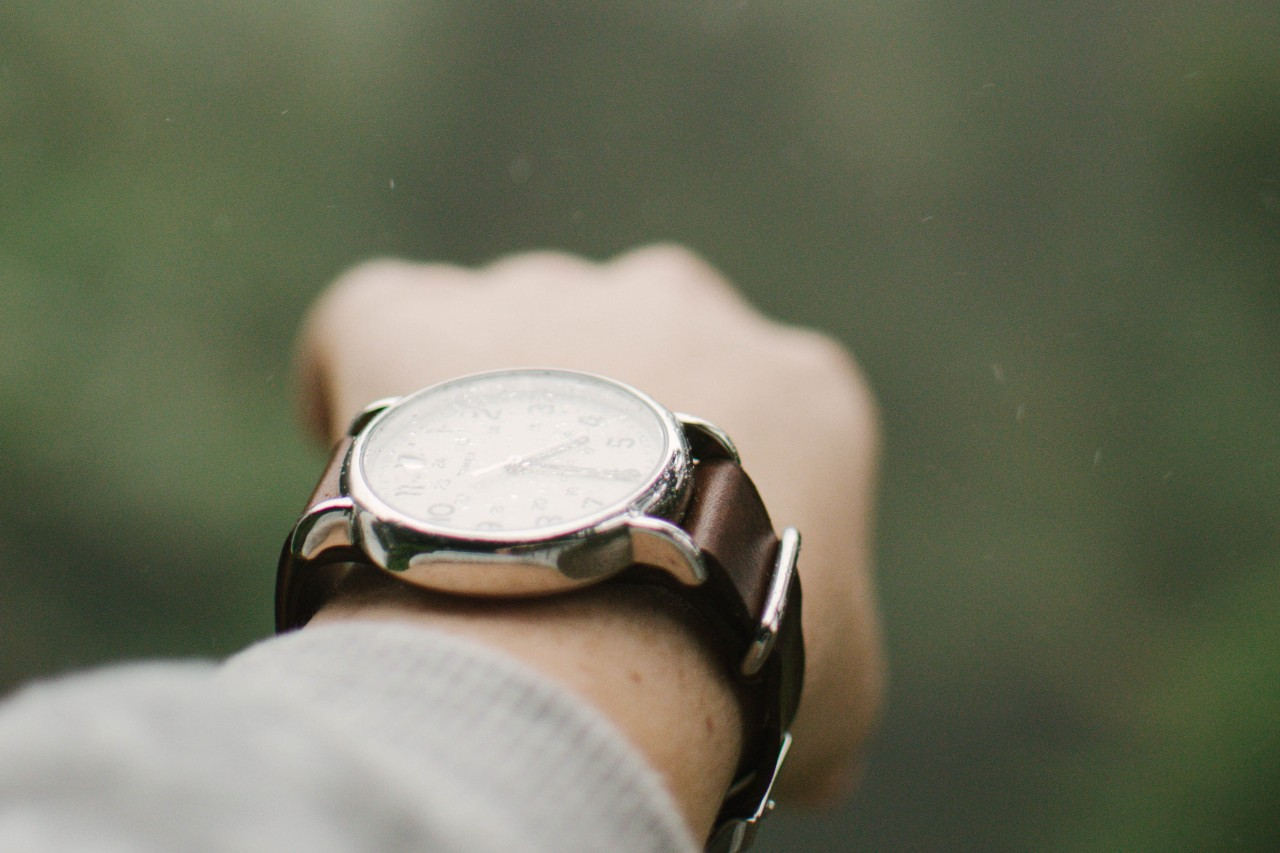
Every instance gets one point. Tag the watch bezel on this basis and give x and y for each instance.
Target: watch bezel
(393, 538)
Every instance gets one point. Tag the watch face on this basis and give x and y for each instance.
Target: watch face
(514, 455)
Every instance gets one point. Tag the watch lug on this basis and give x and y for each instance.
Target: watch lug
(664, 546)
(368, 413)
(706, 440)
(324, 525)
(607, 552)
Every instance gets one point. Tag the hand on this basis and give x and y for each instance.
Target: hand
(584, 471)
(661, 320)
(515, 464)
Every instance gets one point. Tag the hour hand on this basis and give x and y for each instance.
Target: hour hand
(515, 464)
(548, 452)
(585, 471)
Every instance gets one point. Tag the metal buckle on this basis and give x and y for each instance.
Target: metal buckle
(774, 604)
(738, 833)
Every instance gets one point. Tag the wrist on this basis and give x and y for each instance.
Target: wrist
(639, 659)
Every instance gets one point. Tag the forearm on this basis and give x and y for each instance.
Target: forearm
(634, 655)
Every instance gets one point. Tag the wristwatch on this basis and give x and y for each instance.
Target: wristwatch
(529, 482)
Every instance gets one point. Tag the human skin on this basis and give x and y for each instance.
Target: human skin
(662, 320)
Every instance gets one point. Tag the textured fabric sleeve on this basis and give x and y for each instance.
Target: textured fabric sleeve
(353, 737)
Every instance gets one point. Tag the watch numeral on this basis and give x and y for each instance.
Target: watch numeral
(621, 442)
(591, 420)
(441, 510)
(547, 519)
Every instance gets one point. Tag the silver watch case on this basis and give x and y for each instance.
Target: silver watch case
(513, 563)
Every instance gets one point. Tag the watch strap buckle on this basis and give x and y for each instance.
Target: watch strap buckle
(736, 833)
(775, 604)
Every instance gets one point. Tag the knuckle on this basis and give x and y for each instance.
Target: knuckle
(541, 267)
(382, 289)
(669, 258)
(355, 321)
(668, 270)
(370, 284)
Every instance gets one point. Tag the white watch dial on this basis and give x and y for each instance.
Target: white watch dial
(515, 452)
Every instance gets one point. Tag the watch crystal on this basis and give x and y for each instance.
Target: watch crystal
(524, 450)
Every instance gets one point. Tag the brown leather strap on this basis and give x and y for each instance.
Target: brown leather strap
(728, 522)
(730, 525)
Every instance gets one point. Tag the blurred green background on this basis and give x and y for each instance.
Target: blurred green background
(1051, 233)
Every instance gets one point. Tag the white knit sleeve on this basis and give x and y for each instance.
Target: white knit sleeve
(352, 737)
